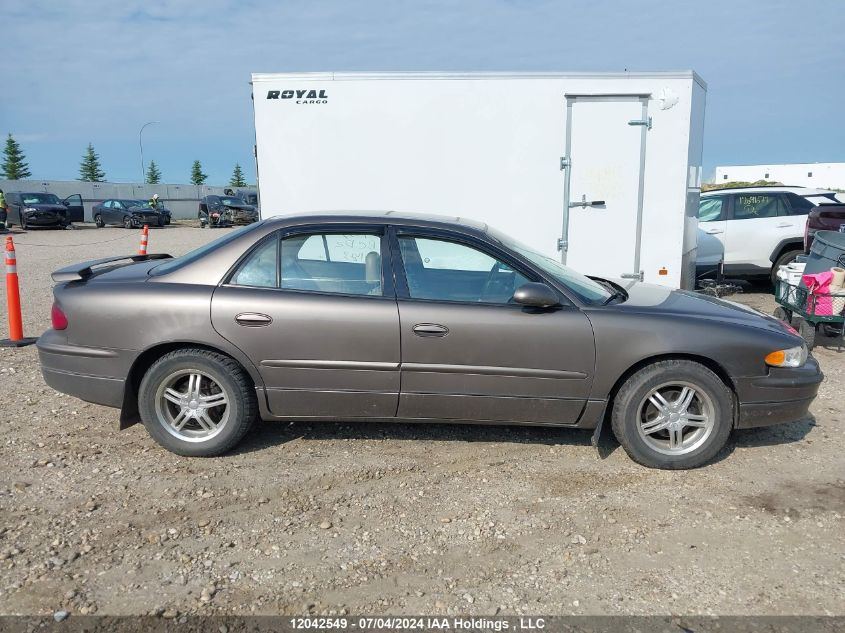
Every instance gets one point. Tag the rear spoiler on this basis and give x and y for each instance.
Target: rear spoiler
(78, 272)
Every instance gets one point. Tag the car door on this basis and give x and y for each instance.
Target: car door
(757, 224)
(712, 226)
(468, 351)
(14, 206)
(315, 310)
(75, 209)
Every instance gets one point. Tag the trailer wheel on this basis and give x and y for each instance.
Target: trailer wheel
(782, 314)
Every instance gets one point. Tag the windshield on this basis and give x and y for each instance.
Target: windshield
(133, 203)
(188, 258)
(586, 289)
(232, 201)
(40, 198)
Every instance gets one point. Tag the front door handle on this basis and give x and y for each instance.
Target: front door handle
(784, 225)
(253, 319)
(430, 329)
(713, 231)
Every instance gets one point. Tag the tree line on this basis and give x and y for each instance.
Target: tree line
(15, 167)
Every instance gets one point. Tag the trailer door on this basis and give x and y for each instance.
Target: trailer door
(604, 168)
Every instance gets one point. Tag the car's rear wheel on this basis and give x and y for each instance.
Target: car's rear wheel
(98, 221)
(196, 403)
(785, 258)
(673, 414)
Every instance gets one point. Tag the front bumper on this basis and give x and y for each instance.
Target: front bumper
(783, 395)
(45, 220)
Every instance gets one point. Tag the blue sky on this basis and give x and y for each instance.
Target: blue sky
(80, 71)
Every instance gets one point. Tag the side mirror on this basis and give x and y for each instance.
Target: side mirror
(536, 295)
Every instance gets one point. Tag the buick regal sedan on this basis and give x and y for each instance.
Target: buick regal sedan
(400, 318)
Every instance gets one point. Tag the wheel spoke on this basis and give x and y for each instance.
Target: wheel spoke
(194, 381)
(174, 396)
(660, 403)
(657, 424)
(180, 420)
(214, 400)
(685, 399)
(694, 419)
(676, 437)
(205, 421)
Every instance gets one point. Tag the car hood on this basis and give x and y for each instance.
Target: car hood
(242, 207)
(46, 207)
(141, 210)
(653, 299)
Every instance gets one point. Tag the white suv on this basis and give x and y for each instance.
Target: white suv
(754, 229)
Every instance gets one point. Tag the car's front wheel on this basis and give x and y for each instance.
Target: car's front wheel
(673, 414)
(197, 403)
(127, 222)
(98, 221)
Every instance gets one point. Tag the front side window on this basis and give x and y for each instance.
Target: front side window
(332, 262)
(754, 205)
(449, 271)
(711, 209)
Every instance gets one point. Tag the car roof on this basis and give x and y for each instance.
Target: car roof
(801, 191)
(430, 220)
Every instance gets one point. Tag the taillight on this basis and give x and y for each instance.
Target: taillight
(58, 318)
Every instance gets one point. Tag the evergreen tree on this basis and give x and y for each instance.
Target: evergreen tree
(14, 167)
(153, 174)
(237, 179)
(197, 177)
(89, 168)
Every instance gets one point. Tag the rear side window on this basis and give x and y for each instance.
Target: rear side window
(260, 270)
(799, 204)
(333, 263)
(754, 205)
(711, 209)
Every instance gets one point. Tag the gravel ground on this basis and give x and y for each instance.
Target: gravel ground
(369, 518)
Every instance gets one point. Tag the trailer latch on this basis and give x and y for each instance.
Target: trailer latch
(646, 122)
(586, 203)
(640, 276)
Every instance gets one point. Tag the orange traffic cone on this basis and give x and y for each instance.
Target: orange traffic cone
(145, 237)
(13, 300)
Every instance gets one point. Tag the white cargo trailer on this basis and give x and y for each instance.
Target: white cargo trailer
(600, 170)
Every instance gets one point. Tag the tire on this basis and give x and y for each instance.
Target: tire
(785, 258)
(160, 222)
(832, 330)
(806, 329)
(127, 222)
(782, 314)
(98, 221)
(24, 225)
(219, 374)
(712, 402)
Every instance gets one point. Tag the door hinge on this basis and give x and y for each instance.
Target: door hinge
(638, 276)
(564, 162)
(562, 244)
(646, 122)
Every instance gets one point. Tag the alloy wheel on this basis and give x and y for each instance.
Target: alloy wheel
(191, 405)
(675, 418)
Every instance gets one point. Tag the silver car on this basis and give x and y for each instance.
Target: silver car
(390, 317)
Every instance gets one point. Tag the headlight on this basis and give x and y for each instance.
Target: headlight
(29, 210)
(792, 357)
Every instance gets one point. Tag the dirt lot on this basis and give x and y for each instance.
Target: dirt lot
(371, 518)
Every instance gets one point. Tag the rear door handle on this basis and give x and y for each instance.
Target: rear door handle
(253, 319)
(713, 231)
(430, 329)
(784, 225)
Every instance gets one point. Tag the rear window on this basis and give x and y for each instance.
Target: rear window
(178, 262)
